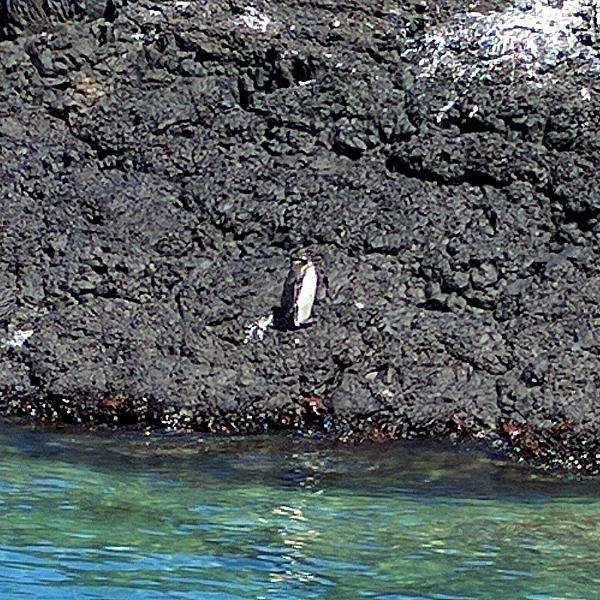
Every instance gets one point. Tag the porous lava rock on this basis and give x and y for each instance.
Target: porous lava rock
(160, 160)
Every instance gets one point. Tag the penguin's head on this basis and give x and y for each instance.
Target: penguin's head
(300, 258)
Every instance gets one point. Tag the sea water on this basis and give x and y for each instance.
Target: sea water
(277, 517)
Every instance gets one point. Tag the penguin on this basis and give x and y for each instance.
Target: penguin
(300, 291)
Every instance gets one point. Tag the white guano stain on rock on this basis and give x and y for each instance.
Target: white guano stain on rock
(252, 18)
(19, 337)
(528, 38)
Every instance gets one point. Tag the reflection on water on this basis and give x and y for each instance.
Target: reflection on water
(276, 517)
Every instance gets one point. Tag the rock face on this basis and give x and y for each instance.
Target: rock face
(161, 160)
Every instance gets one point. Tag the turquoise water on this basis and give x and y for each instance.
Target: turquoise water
(125, 517)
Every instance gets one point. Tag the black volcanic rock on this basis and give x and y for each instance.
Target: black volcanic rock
(160, 160)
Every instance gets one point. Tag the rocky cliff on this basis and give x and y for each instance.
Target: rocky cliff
(161, 160)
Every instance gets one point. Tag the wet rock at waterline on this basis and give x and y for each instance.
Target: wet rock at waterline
(160, 162)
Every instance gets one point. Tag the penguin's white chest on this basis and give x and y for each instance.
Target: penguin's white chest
(305, 295)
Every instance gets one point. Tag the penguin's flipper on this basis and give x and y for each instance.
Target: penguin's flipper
(283, 315)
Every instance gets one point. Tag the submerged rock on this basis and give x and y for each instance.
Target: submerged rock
(161, 160)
